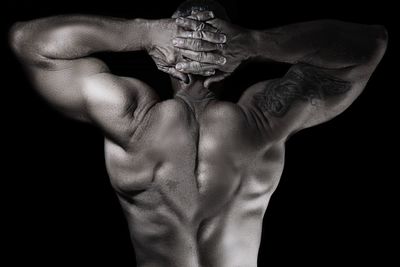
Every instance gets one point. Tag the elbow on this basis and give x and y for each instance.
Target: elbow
(16, 37)
(382, 33)
(372, 47)
(24, 42)
(379, 41)
(382, 38)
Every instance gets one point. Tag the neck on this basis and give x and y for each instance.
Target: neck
(194, 90)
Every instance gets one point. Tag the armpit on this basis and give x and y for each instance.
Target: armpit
(301, 83)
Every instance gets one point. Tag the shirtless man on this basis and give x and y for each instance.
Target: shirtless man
(194, 175)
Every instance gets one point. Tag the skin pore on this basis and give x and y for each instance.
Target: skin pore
(194, 174)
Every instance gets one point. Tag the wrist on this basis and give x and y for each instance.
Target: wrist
(147, 37)
(138, 34)
(150, 28)
(266, 46)
(246, 44)
(256, 38)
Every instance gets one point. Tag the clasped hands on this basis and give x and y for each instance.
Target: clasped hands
(199, 44)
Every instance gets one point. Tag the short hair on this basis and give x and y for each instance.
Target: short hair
(185, 9)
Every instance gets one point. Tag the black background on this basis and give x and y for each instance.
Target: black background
(337, 200)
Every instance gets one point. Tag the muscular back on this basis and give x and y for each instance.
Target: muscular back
(194, 183)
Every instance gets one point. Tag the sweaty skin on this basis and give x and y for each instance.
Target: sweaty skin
(194, 174)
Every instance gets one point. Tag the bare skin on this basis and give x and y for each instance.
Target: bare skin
(194, 174)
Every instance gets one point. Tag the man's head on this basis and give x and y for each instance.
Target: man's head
(186, 8)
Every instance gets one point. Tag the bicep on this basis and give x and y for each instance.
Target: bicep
(306, 96)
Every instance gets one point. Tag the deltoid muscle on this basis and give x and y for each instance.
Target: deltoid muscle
(303, 83)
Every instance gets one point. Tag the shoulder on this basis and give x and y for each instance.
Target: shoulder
(115, 87)
(117, 104)
(226, 114)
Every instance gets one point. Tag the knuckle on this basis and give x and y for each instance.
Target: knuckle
(170, 59)
(200, 57)
(201, 35)
(181, 66)
(222, 60)
(197, 44)
(180, 20)
(222, 38)
(196, 66)
(200, 26)
(196, 35)
(221, 46)
(210, 72)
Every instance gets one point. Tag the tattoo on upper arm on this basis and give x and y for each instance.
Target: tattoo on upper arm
(302, 82)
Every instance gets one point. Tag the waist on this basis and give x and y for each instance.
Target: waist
(231, 237)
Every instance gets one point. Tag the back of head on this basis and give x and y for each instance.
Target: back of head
(185, 9)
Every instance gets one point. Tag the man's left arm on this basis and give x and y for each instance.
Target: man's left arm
(332, 62)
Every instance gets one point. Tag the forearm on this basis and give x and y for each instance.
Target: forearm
(326, 43)
(76, 36)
